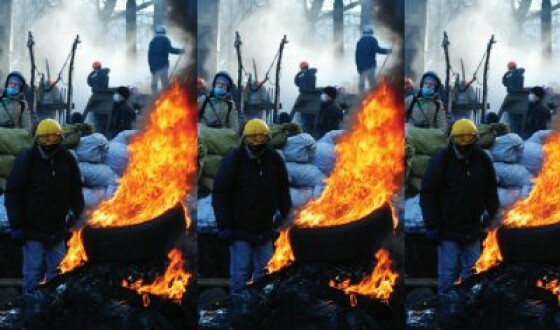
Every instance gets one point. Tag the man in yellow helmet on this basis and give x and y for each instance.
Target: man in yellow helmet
(43, 187)
(250, 187)
(458, 198)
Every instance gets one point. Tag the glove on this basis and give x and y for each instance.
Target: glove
(432, 234)
(16, 235)
(224, 235)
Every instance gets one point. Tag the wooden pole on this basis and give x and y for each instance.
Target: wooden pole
(70, 74)
(277, 82)
(485, 77)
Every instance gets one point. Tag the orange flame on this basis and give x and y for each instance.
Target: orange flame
(541, 208)
(171, 285)
(551, 286)
(159, 175)
(379, 285)
(367, 173)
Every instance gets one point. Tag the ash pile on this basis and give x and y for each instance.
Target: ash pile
(504, 297)
(91, 297)
(299, 297)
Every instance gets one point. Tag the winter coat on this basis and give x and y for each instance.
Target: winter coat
(538, 116)
(247, 192)
(513, 80)
(41, 192)
(158, 52)
(330, 116)
(366, 50)
(305, 80)
(425, 112)
(14, 113)
(98, 80)
(455, 192)
(122, 117)
(218, 113)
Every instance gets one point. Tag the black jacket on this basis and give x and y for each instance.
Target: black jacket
(513, 80)
(247, 192)
(158, 52)
(330, 117)
(122, 117)
(455, 193)
(98, 80)
(305, 80)
(366, 50)
(538, 116)
(40, 193)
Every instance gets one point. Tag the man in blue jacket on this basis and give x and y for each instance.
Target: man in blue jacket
(459, 197)
(366, 50)
(158, 58)
(251, 185)
(43, 187)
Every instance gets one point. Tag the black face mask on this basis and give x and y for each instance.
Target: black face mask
(465, 149)
(49, 150)
(258, 149)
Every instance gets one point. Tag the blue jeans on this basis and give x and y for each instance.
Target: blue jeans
(369, 74)
(454, 260)
(247, 259)
(37, 255)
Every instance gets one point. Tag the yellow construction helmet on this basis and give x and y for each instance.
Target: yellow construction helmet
(48, 132)
(463, 132)
(256, 132)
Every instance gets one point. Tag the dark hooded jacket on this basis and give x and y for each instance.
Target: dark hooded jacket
(247, 191)
(366, 51)
(40, 192)
(158, 52)
(98, 80)
(122, 117)
(456, 191)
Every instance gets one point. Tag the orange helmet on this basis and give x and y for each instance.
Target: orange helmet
(511, 65)
(303, 65)
(200, 83)
(96, 65)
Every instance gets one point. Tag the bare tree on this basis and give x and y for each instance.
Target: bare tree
(546, 28)
(131, 27)
(338, 28)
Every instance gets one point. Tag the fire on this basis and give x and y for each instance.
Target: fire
(367, 173)
(551, 286)
(379, 285)
(171, 285)
(541, 208)
(159, 175)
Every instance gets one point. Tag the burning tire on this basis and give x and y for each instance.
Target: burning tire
(530, 244)
(144, 241)
(344, 243)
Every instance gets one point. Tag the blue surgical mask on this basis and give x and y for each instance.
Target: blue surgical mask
(427, 91)
(219, 91)
(12, 91)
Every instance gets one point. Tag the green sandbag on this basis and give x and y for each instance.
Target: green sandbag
(218, 141)
(409, 159)
(14, 140)
(73, 133)
(201, 156)
(500, 128)
(206, 184)
(419, 165)
(426, 141)
(211, 165)
(279, 134)
(486, 136)
(6, 162)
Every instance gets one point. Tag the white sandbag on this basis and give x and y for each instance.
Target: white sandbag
(318, 190)
(507, 148)
(299, 148)
(206, 220)
(125, 136)
(540, 136)
(532, 157)
(304, 175)
(413, 220)
(93, 196)
(331, 137)
(111, 190)
(97, 175)
(325, 157)
(92, 148)
(512, 175)
(300, 196)
(117, 157)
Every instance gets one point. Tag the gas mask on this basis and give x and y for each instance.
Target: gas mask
(117, 98)
(533, 98)
(50, 149)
